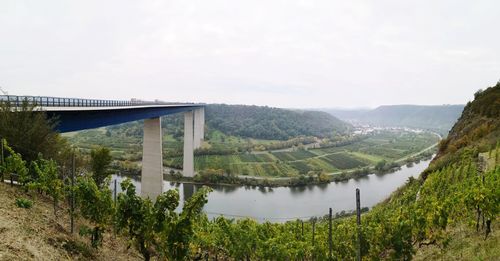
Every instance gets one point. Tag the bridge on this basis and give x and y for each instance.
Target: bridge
(75, 114)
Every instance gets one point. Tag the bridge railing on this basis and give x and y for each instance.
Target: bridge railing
(44, 101)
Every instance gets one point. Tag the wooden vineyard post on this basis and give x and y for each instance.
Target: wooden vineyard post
(2, 150)
(72, 203)
(2, 158)
(358, 221)
(313, 231)
(297, 234)
(302, 222)
(114, 192)
(496, 152)
(330, 243)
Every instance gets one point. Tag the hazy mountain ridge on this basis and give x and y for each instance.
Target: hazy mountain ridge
(435, 117)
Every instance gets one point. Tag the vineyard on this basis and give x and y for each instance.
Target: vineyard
(253, 157)
(423, 214)
(293, 155)
(450, 212)
(343, 161)
(388, 146)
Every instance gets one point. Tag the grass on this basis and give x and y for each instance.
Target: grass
(263, 157)
(301, 166)
(293, 155)
(465, 244)
(369, 157)
(343, 161)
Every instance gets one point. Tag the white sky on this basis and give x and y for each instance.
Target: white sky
(289, 53)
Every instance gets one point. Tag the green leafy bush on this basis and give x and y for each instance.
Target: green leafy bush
(96, 205)
(24, 203)
(157, 226)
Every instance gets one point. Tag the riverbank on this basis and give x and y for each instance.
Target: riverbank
(348, 158)
(372, 164)
(279, 204)
(219, 178)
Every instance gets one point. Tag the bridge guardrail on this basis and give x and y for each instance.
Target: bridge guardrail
(45, 101)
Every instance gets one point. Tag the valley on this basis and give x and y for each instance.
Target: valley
(258, 158)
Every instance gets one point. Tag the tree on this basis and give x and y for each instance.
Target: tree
(96, 205)
(323, 177)
(380, 165)
(14, 164)
(48, 180)
(157, 226)
(178, 229)
(29, 130)
(135, 219)
(100, 159)
(482, 196)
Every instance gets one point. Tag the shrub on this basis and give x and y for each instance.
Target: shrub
(24, 203)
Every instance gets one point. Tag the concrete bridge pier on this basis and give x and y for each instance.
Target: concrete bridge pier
(188, 161)
(194, 132)
(199, 127)
(152, 159)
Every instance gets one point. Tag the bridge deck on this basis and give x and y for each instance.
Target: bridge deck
(46, 101)
(75, 114)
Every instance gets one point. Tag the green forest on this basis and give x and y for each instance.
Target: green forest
(271, 123)
(256, 122)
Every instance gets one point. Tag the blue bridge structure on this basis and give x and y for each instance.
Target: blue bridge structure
(74, 114)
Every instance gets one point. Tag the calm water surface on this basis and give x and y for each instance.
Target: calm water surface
(284, 203)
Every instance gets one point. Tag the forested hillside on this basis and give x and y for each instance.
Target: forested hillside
(478, 127)
(439, 117)
(258, 122)
(271, 123)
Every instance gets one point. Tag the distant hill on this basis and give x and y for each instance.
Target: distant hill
(438, 117)
(264, 122)
(258, 122)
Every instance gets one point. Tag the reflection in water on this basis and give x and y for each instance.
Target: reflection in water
(264, 189)
(298, 190)
(224, 189)
(284, 203)
(188, 190)
(361, 178)
(175, 184)
(321, 186)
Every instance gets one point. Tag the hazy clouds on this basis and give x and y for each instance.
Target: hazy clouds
(286, 53)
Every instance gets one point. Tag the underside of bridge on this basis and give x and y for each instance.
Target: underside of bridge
(75, 119)
(152, 158)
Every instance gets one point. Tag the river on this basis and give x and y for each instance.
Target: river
(288, 203)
